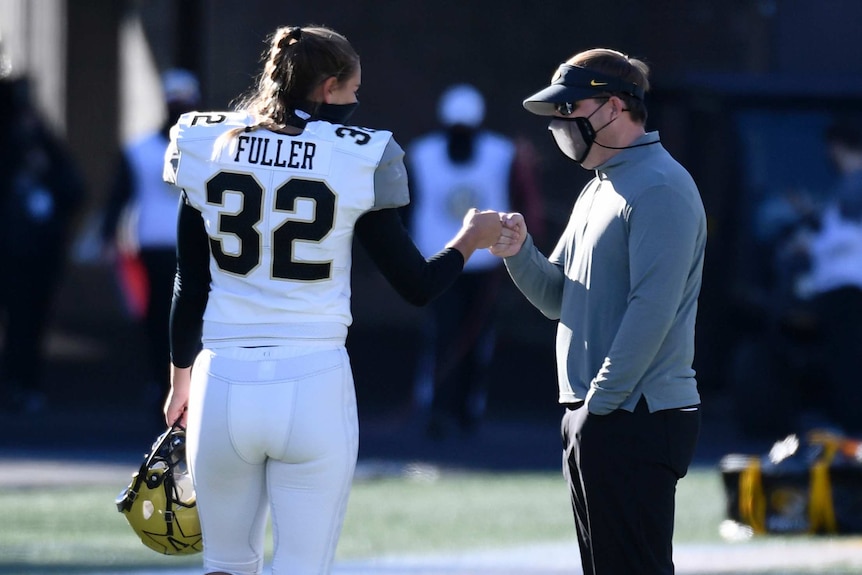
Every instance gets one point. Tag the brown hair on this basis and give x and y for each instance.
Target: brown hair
(619, 65)
(298, 60)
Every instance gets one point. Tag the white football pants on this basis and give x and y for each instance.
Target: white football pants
(272, 430)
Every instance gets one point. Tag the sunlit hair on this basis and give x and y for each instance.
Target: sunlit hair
(619, 65)
(297, 61)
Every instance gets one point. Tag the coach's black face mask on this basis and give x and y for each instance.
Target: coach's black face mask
(335, 113)
(575, 136)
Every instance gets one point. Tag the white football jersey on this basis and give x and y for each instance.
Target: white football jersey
(279, 211)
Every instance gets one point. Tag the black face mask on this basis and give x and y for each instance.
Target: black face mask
(335, 113)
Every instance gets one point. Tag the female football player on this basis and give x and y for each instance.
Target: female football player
(272, 195)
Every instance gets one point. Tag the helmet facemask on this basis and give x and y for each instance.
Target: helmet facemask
(160, 502)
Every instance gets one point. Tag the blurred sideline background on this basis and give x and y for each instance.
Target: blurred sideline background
(741, 90)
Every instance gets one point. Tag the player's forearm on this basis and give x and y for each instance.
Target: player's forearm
(191, 287)
(416, 279)
(466, 242)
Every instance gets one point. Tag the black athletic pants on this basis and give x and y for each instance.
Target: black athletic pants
(622, 469)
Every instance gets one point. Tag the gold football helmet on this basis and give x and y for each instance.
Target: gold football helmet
(160, 502)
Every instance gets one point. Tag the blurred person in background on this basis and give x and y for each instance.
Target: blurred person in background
(462, 165)
(831, 288)
(771, 357)
(139, 231)
(41, 190)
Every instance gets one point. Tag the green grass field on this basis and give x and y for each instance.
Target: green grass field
(78, 530)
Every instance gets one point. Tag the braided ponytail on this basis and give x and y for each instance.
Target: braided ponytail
(297, 61)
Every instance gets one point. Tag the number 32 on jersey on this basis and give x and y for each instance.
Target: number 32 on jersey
(244, 225)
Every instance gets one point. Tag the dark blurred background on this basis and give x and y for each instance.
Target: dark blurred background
(741, 91)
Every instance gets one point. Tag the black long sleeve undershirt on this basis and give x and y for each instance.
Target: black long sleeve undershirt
(381, 233)
(390, 246)
(191, 286)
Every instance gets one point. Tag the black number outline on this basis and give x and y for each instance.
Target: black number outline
(243, 225)
(209, 119)
(360, 138)
(240, 224)
(293, 230)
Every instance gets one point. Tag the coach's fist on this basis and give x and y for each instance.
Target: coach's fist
(512, 236)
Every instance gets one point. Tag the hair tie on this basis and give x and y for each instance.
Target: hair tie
(295, 34)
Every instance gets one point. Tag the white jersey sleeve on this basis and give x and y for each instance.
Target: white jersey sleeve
(279, 211)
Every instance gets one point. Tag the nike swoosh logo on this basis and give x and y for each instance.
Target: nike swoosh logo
(594, 83)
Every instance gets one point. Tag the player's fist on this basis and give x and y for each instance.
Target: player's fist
(484, 228)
